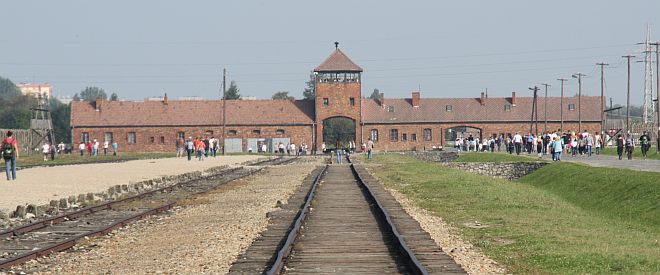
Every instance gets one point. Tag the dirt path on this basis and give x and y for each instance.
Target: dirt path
(42, 184)
(204, 238)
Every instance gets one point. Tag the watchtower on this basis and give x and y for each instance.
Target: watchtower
(41, 124)
(338, 100)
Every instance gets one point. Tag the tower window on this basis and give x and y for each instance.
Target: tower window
(351, 101)
(326, 102)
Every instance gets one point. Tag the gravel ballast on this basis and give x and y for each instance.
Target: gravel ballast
(204, 236)
(41, 184)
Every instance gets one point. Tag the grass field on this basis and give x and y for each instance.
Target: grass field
(563, 219)
(33, 160)
(637, 154)
(491, 157)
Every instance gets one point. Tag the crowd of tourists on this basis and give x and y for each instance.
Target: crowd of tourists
(554, 143)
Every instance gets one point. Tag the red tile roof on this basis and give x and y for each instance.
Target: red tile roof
(338, 62)
(192, 113)
(471, 110)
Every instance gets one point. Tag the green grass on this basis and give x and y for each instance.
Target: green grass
(563, 219)
(35, 159)
(637, 154)
(491, 157)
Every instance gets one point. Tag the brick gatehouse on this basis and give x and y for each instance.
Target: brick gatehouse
(395, 124)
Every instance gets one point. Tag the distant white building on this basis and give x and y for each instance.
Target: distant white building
(64, 99)
(45, 90)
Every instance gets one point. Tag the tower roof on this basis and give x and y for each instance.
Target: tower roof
(338, 62)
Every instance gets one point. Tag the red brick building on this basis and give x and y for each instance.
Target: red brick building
(413, 123)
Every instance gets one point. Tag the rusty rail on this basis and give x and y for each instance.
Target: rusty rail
(285, 250)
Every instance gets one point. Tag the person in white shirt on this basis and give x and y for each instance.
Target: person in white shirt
(45, 149)
(82, 148)
(95, 148)
(264, 148)
(106, 145)
(517, 141)
(323, 147)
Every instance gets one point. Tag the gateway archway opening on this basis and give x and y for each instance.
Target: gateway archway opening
(338, 131)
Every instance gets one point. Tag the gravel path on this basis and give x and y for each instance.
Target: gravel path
(204, 238)
(42, 184)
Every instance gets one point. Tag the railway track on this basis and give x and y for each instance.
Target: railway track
(40, 238)
(347, 223)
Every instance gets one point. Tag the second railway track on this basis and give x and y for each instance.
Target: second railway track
(40, 238)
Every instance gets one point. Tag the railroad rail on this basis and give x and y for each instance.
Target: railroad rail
(40, 238)
(344, 222)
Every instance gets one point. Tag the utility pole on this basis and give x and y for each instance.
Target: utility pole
(545, 108)
(579, 77)
(602, 97)
(224, 109)
(534, 112)
(561, 102)
(628, 96)
(657, 90)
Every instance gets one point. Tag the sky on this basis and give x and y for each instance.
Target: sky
(141, 49)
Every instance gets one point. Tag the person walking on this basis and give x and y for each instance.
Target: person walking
(95, 148)
(370, 148)
(619, 145)
(517, 141)
(645, 143)
(81, 147)
(557, 148)
(598, 143)
(590, 144)
(630, 146)
(114, 148)
(339, 152)
(190, 147)
(106, 146)
(10, 155)
(53, 151)
(45, 149)
(179, 147)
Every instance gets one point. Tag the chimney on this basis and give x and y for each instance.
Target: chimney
(483, 99)
(165, 99)
(99, 103)
(513, 99)
(415, 99)
(381, 99)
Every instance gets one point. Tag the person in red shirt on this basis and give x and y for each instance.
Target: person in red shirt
(89, 148)
(10, 155)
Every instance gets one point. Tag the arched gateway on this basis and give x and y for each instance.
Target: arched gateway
(338, 131)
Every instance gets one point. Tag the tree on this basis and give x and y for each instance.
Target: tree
(7, 88)
(76, 97)
(375, 95)
(92, 93)
(283, 95)
(310, 92)
(114, 97)
(233, 91)
(61, 116)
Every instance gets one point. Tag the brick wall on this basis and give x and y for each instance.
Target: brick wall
(338, 95)
(297, 134)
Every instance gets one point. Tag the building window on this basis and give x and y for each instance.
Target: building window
(108, 137)
(280, 132)
(374, 135)
(394, 135)
(162, 140)
(404, 137)
(571, 107)
(181, 135)
(413, 137)
(231, 133)
(256, 132)
(351, 101)
(152, 139)
(428, 135)
(132, 139)
(507, 107)
(209, 132)
(85, 137)
(448, 108)
(390, 109)
(326, 102)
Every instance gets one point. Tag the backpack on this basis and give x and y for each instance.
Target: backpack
(7, 150)
(629, 142)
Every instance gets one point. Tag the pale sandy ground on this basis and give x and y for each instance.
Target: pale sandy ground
(42, 184)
